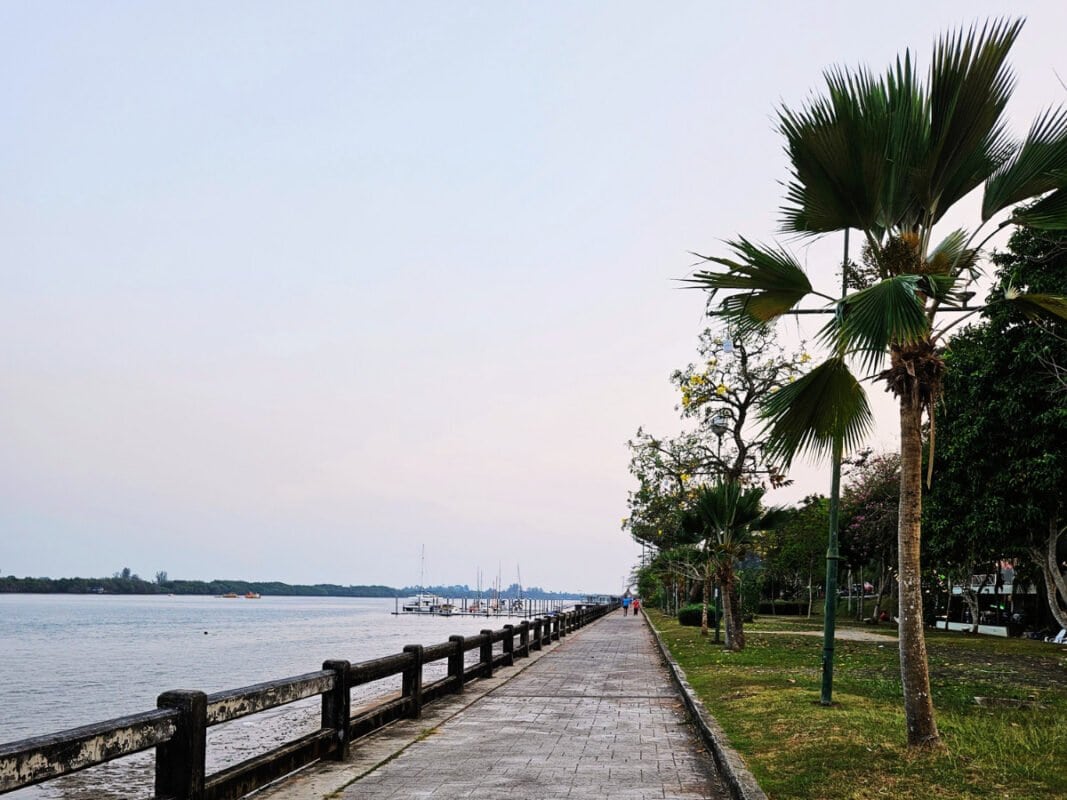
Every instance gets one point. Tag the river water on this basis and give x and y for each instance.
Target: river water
(71, 660)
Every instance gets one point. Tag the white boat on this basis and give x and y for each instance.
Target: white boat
(424, 603)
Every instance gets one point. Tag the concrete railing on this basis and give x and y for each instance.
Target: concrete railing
(177, 728)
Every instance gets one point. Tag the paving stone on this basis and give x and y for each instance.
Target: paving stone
(597, 716)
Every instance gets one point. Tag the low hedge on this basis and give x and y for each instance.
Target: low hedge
(690, 615)
(788, 608)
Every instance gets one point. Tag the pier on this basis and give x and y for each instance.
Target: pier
(480, 606)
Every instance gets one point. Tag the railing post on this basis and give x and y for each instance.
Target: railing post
(411, 683)
(524, 638)
(455, 662)
(487, 654)
(509, 644)
(336, 707)
(536, 643)
(555, 627)
(180, 762)
(564, 623)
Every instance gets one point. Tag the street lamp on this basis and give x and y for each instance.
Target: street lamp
(719, 426)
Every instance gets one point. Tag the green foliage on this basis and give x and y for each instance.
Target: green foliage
(773, 280)
(871, 319)
(795, 553)
(750, 581)
(719, 394)
(796, 608)
(693, 613)
(1002, 464)
(824, 406)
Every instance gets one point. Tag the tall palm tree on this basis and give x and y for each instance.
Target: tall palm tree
(727, 514)
(888, 156)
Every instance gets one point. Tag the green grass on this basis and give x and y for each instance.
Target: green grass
(766, 699)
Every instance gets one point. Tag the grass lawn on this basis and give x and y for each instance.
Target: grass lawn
(767, 700)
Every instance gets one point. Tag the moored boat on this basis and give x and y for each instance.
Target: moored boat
(424, 603)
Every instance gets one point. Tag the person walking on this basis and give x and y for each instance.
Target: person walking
(625, 605)
(637, 605)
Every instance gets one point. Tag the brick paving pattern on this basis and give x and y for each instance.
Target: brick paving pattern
(596, 717)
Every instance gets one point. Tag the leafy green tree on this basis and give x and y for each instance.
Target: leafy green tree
(794, 555)
(999, 490)
(888, 156)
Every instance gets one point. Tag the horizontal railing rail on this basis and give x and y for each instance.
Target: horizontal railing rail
(177, 728)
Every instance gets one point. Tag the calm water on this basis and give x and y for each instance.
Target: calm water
(68, 660)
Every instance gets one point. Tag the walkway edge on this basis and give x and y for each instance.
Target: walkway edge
(742, 783)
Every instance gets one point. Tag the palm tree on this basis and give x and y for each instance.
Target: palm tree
(888, 156)
(726, 515)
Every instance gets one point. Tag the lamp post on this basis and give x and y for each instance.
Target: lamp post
(833, 554)
(719, 427)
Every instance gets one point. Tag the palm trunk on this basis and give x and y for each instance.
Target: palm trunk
(738, 622)
(704, 607)
(914, 670)
(731, 610)
(726, 585)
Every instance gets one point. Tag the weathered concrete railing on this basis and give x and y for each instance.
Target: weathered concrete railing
(177, 729)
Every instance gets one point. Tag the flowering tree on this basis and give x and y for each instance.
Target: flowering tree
(723, 439)
(870, 508)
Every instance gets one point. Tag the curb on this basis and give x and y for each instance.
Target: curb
(742, 783)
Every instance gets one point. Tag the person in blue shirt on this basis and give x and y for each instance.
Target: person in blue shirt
(626, 605)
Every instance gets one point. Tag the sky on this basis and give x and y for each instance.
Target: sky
(289, 291)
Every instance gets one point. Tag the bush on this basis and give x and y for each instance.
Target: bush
(690, 615)
(798, 608)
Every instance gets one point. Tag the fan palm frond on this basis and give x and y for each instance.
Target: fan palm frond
(807, 416)
(869, 320)
(952, 256)
(1037, 167)
(837, 147)
(1038, 306)
(771, 280)
(968, 89)
(1049, 213)
(729, 511)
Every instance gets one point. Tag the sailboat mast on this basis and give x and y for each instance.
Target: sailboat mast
(422, 571)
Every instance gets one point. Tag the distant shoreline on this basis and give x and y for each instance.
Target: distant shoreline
(134, 585)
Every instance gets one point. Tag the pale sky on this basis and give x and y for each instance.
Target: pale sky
(290, 290)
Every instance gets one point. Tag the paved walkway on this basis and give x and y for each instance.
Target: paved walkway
(597, 717)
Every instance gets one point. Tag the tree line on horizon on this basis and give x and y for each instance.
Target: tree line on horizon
(127, 582)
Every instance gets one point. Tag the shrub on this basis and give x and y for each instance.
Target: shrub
(690, 615)
(798, 608)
